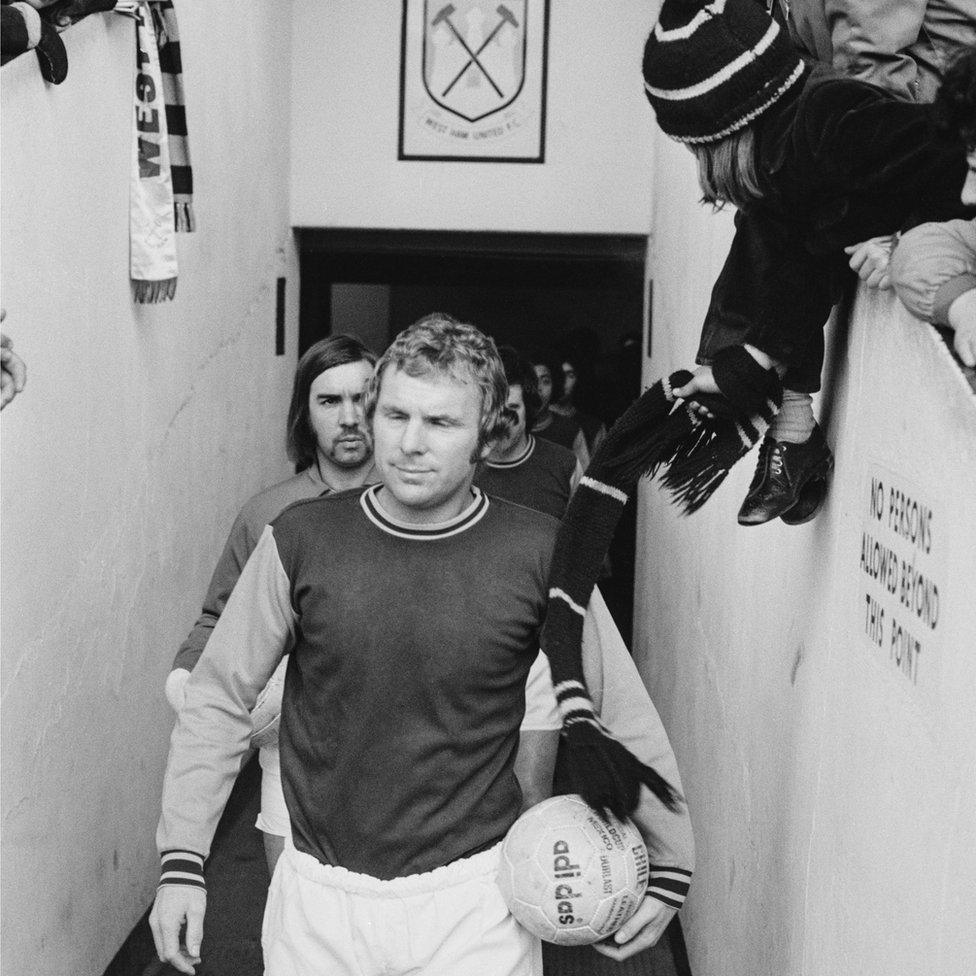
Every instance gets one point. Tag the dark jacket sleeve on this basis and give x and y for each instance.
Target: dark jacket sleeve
(872, 164)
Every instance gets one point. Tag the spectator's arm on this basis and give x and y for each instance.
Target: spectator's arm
(932, 266)
(868, 40)
(962, 318)
(951, 298)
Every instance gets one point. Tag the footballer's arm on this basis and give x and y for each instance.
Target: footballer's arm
(212, 734)
(627, 711)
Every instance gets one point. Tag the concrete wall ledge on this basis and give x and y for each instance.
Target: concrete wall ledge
(819, 681)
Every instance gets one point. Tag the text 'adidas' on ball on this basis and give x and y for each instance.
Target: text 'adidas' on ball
(569, 876)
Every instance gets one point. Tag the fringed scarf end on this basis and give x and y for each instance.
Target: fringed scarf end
(153, 292)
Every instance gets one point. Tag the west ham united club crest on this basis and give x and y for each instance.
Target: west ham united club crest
(473, 77)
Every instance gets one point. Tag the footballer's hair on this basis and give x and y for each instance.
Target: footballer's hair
(439, 343)
(520, 372)
(338, 350)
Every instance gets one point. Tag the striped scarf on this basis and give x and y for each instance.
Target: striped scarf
(657, 433)
(160, 199)
(171, 67)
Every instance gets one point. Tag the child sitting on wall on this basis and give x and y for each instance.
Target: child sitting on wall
(813, 162)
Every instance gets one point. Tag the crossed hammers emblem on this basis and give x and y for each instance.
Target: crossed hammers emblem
(443, 16)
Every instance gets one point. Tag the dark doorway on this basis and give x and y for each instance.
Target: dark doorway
(560, 292)
(520, 288)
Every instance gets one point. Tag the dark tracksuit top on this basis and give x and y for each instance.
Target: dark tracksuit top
(542, 477)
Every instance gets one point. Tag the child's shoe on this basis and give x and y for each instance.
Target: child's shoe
(812, 496)
(781, 474)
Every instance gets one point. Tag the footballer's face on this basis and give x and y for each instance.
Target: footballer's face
(425, 436)
(545, 384)
(514, 437)
(569, 379)
(335, 411)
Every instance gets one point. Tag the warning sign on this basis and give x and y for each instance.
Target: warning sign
(900, 558)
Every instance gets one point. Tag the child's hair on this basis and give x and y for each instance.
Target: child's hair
(727, 170)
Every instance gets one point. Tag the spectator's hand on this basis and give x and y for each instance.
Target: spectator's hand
(174, 905)
(870, 260)
(640, 932)
(13, 372)
(962, 317)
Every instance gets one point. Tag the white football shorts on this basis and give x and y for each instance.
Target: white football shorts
(451, 921)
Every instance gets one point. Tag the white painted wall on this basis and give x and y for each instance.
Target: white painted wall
(832, 792)
(345, 173)
(141, 431)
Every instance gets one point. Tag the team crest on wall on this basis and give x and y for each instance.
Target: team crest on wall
(473, 80)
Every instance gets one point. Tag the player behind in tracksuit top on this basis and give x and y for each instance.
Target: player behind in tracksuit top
(332, 450)
(412, 609)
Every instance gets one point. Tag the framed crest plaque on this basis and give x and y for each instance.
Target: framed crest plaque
(473, 80)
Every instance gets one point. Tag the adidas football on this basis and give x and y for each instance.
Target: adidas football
(569, 876)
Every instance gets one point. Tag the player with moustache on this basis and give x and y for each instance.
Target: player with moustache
(329, 442)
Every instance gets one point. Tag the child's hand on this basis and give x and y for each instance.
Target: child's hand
(702, 381)
(962, 317)
(870, 260)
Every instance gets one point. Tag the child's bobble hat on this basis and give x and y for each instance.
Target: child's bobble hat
(711, 68)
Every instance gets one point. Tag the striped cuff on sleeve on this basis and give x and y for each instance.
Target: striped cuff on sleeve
(669, 885)
(181, 868)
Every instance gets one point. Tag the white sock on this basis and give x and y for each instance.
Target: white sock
(794, 423)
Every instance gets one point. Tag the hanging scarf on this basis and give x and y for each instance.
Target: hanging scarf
(160, 197)
(171, 66)
(657, 433)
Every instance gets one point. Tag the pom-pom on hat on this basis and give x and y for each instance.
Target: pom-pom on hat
(711, 68)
